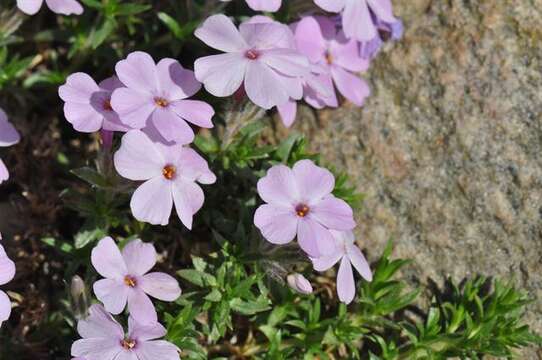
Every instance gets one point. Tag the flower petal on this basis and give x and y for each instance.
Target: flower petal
(78, 88)
(360, 263)
(141, 307)
(346, 54)
(333, 213)
(100, 324)
(331, 5)
(175, 81)
(160, 286)
(152, 201)
(144, 332)
(267, 35)
(194, 111)
(357, 21)
(346, 287)
(314, 239)
(287, 112)
(4, 173)
(7, 267)
(262, 86)
(113, 293)
(314, 182)
(172, 127)
(277, 224)
(107, 260)
(309, 39)
(194, 168)
(8, 134)
(383, 10)
(5, 307)
(264, 5)
(221, 74)
(286, 61)
(350, 85)
(188, 198)
(138, 158)
(134, 107)
(219, 32)
(65, 7)
(29, 7)
(83, 117)
(324, 263)
(138, 72)
(159, 349)
(279, 187)
(97, 348)
(140, 257)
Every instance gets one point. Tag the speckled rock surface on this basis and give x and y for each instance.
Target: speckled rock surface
(448, 149)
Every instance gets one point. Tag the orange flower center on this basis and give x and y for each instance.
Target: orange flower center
(161, 102)
(128, 344)
(130, 281)
(252, 54)
(301, 210)
(169, 171)
(329, 58)
(107, 105)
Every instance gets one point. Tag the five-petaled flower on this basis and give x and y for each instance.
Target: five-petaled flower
(7, 272)
(155, 98)
(258, 55)
(88, 105)
(170, 173)
(64, 7)
(329, 49)
(299, 202)
(8, 136)
(349, 255)
(103, 338)
(127, 279)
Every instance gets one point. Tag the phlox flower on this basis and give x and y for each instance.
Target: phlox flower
(8, 136)
(362, 20)
(64, 7)
(262, 5)
(88, 105)
(299, 202)
(257, 56)
(170, 173)
(349, 255)
(318, 39)
(127, 280)
(103, 338)
(155, 98)
(7, 272)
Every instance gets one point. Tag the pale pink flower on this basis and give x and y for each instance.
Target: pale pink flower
(169, 172)
(64, 7)
(299, 202)
(328, 49)
(7, 273)
(127, 280)
(155, 98)
(8, 136)
(104, 339)
(262, 5)
(258, 56)
(88, 105)
(349, 255)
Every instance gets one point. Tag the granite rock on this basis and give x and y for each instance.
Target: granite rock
(448, 149)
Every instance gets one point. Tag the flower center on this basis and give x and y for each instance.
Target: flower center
(128, 344)
(130, 281)
(252, 54)
(329, 58)
(107, 105)
(169, 171)
(301, 210)
(161, 102)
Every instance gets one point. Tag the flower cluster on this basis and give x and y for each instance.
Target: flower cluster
(127, 281)
(7, 273)
(300, 204)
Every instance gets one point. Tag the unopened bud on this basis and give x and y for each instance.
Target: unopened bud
(79, 297)
(299, 283)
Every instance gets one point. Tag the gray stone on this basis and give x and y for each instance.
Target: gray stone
(448, 149)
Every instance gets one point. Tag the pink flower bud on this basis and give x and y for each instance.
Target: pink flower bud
(299, 283)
